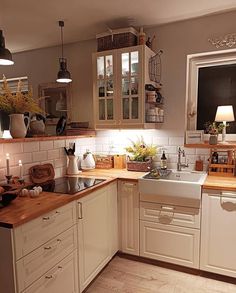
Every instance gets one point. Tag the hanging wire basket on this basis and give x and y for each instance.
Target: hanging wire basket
(155, 67)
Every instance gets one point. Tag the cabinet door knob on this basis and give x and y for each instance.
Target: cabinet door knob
(48, 247)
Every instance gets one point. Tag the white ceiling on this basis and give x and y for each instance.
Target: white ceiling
(31, 24)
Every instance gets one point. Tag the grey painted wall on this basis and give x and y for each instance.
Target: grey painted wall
(42, 66)
(176, 39)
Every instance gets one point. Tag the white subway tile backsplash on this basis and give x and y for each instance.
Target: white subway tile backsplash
(53, 154)
(191, 159)
(160, 141)
(189, 151)
(46, 145)
(106, 142)
(178, 141)
(60, 143)
(170, 149)
(62, 162)
(31, 146)
(24, 157)
(12, 148)
(40, 156)
(172, 158)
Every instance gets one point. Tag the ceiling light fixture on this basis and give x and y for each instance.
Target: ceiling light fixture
(5, 54)
(63, 74)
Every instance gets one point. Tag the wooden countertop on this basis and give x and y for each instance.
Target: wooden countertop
(221, 183)
(24, 209)
(114, 173)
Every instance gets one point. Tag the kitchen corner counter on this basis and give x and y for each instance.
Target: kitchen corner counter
(24, 209)
(220, 183)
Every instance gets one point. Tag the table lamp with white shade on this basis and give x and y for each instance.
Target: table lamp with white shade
(224, 114)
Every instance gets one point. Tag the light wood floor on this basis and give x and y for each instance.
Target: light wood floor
(128, 276)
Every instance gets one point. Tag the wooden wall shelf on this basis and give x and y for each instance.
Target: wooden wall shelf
(42, 138)
(206, 145)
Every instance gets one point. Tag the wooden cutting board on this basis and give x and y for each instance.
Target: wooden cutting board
(41, 173)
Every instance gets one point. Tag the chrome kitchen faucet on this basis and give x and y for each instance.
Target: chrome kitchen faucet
(179, 164)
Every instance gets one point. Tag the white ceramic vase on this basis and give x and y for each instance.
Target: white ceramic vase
(72, 167)
(17, 128)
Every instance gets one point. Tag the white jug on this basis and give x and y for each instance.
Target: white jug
(72, 168)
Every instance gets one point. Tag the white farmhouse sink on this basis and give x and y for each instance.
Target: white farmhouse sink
(179, 187)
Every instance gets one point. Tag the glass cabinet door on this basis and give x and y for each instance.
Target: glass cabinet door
(105, 88)
(130, 86)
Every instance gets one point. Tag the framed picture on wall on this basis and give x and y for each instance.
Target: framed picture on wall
(194, 136)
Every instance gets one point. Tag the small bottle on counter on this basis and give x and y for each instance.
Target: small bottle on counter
(163, 161)
(214, 160)
(199, 164)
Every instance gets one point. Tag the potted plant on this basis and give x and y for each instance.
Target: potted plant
(16, 104)
(213, 129)
(141, 156)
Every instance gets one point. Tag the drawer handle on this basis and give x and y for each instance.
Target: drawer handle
(48, 247)
(167, 209)
(80, 211)
(46, 218)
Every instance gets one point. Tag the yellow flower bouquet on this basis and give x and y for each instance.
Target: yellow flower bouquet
(19, 102)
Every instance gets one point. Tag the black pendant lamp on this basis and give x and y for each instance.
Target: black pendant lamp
(63, 74)
(5, 54)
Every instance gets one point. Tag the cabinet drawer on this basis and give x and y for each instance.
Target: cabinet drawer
(37, 232)
(34, 265)
(172, 244)
(62, 278)
(171, 215)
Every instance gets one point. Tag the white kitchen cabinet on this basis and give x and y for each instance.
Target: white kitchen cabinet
(33, 255)
(128, 198)
(113, 217)
(96, 240)
(62, 278)
(119, 78)
(168, 243)
(218, 234)
(170, 233)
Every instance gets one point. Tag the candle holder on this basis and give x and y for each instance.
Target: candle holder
(9, 177)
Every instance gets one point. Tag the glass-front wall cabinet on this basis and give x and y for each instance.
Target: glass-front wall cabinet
(120, 76)
(130, 86)
(105, 85)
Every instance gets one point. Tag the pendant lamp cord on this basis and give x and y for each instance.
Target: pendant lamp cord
(61, 24)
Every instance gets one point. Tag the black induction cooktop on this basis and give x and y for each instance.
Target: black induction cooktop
(70, 185)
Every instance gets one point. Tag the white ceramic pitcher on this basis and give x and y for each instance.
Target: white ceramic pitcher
(17, 127)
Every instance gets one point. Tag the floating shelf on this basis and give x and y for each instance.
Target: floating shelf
(206, 145)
